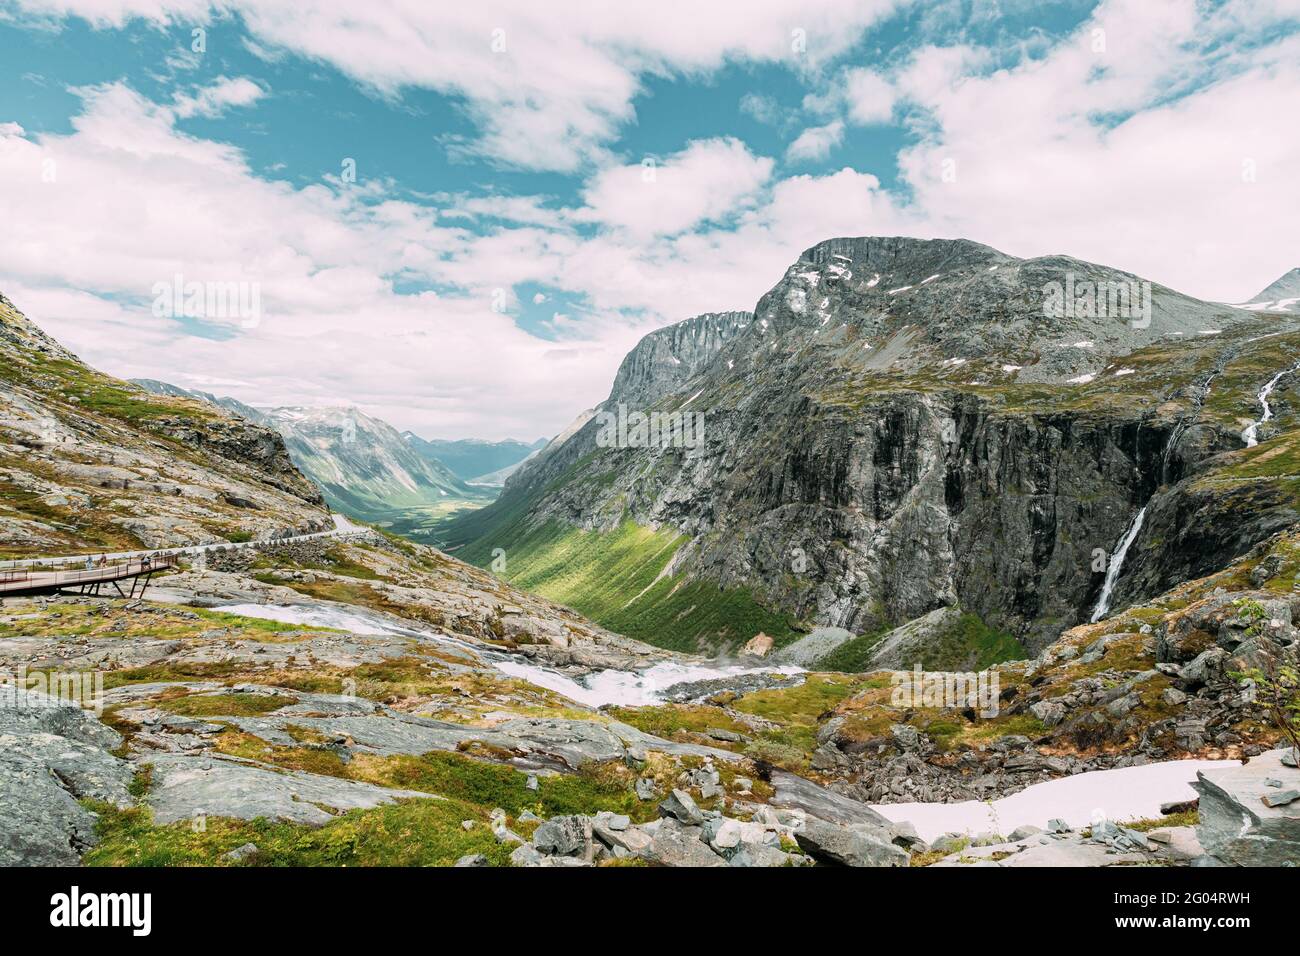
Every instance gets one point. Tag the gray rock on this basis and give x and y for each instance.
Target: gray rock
(674, 844)
(564, 836)
(1057, 825)
(849, 846)
(241, 853)
(1024, 832)
(185, 787)
(645, 789)
(680, 806)
(1236, 826)
(1281, 798)
(52, 756)
(1050, 712)
(796, 793)
(475, 859)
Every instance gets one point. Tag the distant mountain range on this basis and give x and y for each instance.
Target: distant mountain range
(474, 460)
(366, 468)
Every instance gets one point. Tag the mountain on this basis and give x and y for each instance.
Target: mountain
(906, 426)
(363, 465)
(1282, 296)
(472, 459)
(89, 462)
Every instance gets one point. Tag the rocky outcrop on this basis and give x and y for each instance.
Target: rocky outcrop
(1250, 815)
(53, 755)
(667, 358)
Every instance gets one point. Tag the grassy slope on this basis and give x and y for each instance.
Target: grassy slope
(614, 579)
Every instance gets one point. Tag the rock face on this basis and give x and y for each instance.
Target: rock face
(667, 359)
(1238, 826)
(52, 755)
(900, 429)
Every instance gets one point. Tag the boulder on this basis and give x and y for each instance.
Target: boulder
(1237, 827)
(860, 845)
(680, 806)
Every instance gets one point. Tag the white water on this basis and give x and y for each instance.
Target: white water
(1116, 564)
(624, 688)
(1128, 793)
(1251, 434)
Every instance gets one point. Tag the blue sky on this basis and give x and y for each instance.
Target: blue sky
(536, 188)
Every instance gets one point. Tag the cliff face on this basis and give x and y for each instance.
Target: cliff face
(902, 428)
(666, 359)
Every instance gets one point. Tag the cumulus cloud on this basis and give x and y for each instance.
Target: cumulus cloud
(816, 142)
(548, 85)
(709, 180)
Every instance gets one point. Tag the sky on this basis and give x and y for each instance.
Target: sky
(460, 220)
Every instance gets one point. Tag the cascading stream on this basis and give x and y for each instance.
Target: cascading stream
(1116, 564)
(1251, 435)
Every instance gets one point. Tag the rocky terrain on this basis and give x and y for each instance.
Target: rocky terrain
(899, 429)
(88, 462)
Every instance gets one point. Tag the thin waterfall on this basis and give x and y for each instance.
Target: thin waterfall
(1251, 434)
(1116, 564)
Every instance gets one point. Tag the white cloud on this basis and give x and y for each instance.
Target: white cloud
(548, 85)
(709, 180)
(214, 99)
(816, 142)
(870, 97)
(1085, 152)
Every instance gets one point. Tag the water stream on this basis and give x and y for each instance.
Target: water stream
(1251, 435)
(1116, 564)
(610, 686)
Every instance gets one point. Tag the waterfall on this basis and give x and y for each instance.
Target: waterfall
(1251, 434)
(1116, 563)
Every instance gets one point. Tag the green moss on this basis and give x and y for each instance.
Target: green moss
(225, 705)
(410, 833)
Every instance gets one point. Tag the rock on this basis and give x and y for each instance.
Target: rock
(526, 855)
(564, 836)
(531, 783)
(241, 853)
(1281, 798)
(849, 846)
(1050, 712)
(185, 787)
(730, 736)
(1024, 832)
(1237, 826)
(52, 756)
(477, 859)
(613, 821)
(904, 834)
(905, 738)
(645, 789)
(743, 784)
(1122, 705)
(1173, 697)
(987, 839)
(1177, 806)
(1057, 825)
(950, 843)
(794, 792)
(675, 844)
(1206, 666)
(760, 855)
(813, 646)
(680, 806)
(760, 645)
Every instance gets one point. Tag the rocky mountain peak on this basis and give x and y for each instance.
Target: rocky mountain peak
(668, 357)
(1281, 296)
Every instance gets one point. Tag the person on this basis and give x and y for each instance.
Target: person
(90, 562)
(144, 562)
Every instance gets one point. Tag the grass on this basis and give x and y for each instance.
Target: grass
(410, 833)
(616, 579)
(225, 705)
